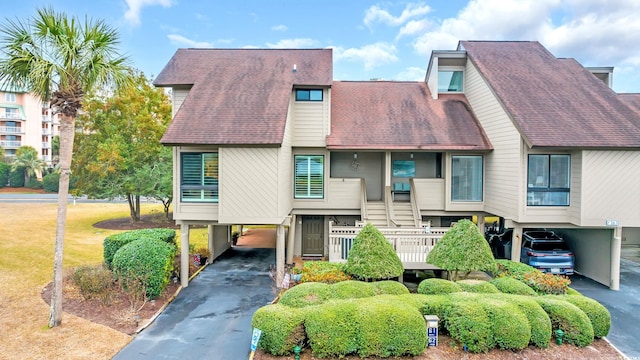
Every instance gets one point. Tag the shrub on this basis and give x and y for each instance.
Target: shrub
(468, 323)
(94, 282)
(50, 182)
(372, 257)
(34, 183)
(16, 178)
(333, 328)
(509, 285)
(148, 262)
(306, 294)
(282, 328)
(477, 286)
(509, 325)
(538, 319)
(569, 318)
(598, 314)
(114, 242)
(390, 287)
(435, 286)
(462, 249)
(351, 289)
(387, 328)
(572, 291)
(5, 169)
(540, 282)
(323, 271)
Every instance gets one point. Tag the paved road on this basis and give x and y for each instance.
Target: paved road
(624, 306)
(211, 318)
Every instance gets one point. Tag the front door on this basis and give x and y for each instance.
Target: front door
(312, 236)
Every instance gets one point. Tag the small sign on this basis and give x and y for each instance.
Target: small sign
(255, 338)
(432, 336)
(611, 222)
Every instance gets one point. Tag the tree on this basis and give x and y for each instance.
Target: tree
(60, 59)
(462, 248)
(2, 154)
(118, 152)
(372, 257)
(28, 161)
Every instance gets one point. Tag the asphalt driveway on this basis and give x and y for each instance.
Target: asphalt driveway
(624, 306)
(211, 318)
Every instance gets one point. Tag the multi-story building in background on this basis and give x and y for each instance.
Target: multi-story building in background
(26, 120)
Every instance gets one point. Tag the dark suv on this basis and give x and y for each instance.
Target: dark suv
(546, 251)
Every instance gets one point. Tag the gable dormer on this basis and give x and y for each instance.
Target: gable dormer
(604, 73)
(446, 72)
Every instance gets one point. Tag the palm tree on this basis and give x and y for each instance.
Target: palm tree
(60, 59)
(27, 159)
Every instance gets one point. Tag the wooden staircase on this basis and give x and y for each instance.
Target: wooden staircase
(377, 214)
(403, 214)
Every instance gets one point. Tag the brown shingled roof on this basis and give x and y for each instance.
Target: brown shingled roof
(554, 102)
(632, 100)
(401, 115)
(239, 96)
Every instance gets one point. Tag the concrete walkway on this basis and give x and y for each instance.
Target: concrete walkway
(211, 318)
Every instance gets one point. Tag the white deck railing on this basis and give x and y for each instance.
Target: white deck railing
(411, 244)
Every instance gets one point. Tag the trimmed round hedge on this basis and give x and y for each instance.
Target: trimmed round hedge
(537, 317)
(351, 289)
(333, 328)
(389, 287)
(598, 314)
(509, 325)
(114, 242)
(569, 318)
(435, 286)
(477, 286)
(509, 285)
(282, 328)
(372, 257)
(148, 261)
(469, 323)
(306, 294)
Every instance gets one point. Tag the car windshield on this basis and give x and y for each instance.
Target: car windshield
(549, 245)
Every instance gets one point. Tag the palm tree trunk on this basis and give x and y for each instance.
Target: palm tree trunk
(67, 133)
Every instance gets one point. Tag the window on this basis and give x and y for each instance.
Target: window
(309, 177)
(199, 177)
(11, 113)
(466, 178)
(308, 94)
(10, 97)
(549, 179)
(450, 81)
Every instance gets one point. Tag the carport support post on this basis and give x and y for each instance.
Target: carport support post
(210, 243)
(290, 240)
(279, 255)
(616, 243)
(184, 255)
(481, 224)
(516, 243)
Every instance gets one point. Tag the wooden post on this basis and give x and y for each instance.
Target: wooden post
(616, 244)
(279, 254)
(210, 243)
(516, 243)
(291, 238)
(184, 255)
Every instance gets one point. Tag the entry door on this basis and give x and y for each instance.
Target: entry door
(312, 235)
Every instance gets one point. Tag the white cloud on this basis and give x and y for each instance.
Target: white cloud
(182, 41)
(376, 14)
(372, 56)
(293, 44)
(414, 27)
(411, 74)
(279, 28)
(132, 15)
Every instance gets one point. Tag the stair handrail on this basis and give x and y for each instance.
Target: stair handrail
(364, 216)
(388, 205)
(417, 218)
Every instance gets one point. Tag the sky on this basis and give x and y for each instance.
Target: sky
(390, 40)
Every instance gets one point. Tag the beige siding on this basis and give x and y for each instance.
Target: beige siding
(575, 199)
(503, 189)
(178, 94)
(610, 187)
(310, 121)
(592, 250)
(430, 193)
(340, 193)
(285, 168)
(190, 211)
(249, 186)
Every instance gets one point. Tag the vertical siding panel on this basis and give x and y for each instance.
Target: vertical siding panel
(503, 181)
(178, 94)
(285, 167)
(311, 123)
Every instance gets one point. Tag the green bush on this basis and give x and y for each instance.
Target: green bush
(306, 294)
(333, 328)
(34, 183)
(5, 169)
(387, 328)
(477, 286)
(50, 182)
(462, 249)
(148, 262)
(323, 271)
(541, 283)
(468, 323)
(598, 314)
(571, 291)
(114, 242)
(390, 287)
(282, 328)
(372, 257)
(351, 289)
(435, 286)
(509, 325)
(509, 285)
(16, 178)
(94, 282)
(537, 317)
(569, 318)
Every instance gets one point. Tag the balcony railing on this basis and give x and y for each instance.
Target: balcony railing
(10, 144)
(11, 130)
(46, 119)
(10, 115)
(46, 131)
(46, 158)
(46, 145)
